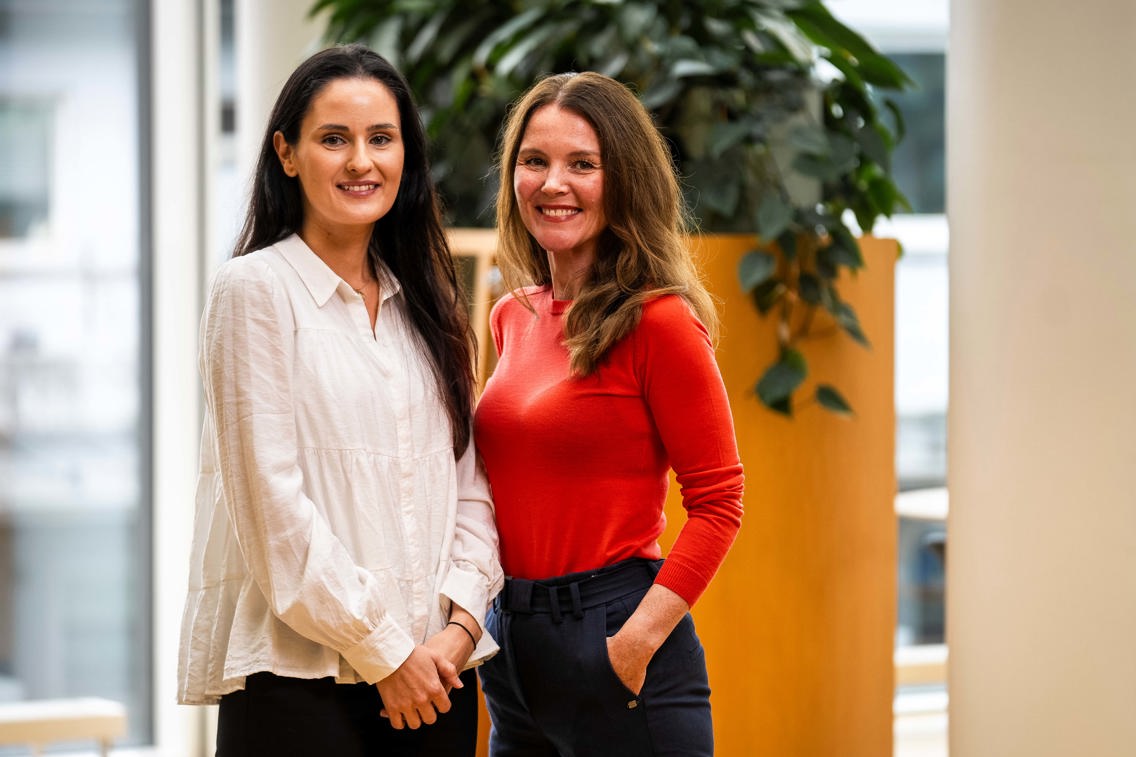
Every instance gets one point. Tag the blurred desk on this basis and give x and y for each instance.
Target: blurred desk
(36, 723)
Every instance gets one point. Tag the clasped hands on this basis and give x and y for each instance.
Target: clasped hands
(415, 693)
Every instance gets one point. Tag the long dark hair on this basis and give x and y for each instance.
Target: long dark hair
(409, 239)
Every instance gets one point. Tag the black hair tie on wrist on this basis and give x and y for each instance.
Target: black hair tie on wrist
(467, 631)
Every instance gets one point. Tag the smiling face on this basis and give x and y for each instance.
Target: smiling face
(558, 182)
(348, 158)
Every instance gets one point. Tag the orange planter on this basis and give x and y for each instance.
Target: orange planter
(799, 624)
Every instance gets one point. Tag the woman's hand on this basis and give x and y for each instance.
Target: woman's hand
(418, 690)
(633, 646)
(629, 661)
(457, 642)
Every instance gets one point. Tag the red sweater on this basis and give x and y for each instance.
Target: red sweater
(578, 465)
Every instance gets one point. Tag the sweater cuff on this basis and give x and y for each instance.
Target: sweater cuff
(380, 653)
(682, 580)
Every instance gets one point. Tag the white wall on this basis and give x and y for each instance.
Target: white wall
(1041, 572)
(272, 38)
(177, 52)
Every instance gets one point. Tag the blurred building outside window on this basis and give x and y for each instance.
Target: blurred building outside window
(921, 354)
(74, 461)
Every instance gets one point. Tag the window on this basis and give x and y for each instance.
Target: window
(919, 161)
(25, 126)
(74, 493)
(921, 352)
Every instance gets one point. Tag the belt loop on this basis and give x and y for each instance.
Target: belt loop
(554, 601)
(574, 591)
(519, 596)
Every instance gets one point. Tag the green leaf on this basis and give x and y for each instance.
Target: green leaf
(816, 166)
(784, 407)
(755, 268)
(874, 145)
(777, 27)
(823, 28)
(810, 138)
(503, 33)
(613, 65)
(723, 136)
(843, 154)
(634, 19)
(809, 288)
(897, 114)
(767, 295)
(720, 197)
(840, 255)
(847, 68)
(846, 318)
(787, 242)
(662, 92)
(773, 216)
(830, 399)
(513, 57)
(782, 378)
(685, 68)
(425, 38)
(885, 195)
(844, 250)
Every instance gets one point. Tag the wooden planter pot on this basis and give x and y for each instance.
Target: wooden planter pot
(799, 624)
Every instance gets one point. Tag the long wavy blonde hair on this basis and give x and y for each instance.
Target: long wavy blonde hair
(642, 254)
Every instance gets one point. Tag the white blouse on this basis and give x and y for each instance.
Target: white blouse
(333, 526)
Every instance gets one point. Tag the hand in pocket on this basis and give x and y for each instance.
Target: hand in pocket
(628, 662)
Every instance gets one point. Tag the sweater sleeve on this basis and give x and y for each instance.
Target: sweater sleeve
(301, 567)
(687, 400)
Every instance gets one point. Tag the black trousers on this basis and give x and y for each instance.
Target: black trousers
(551, 690)
(294, 717)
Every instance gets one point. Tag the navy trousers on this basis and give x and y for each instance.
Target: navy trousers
(551, 690)
(295, 717)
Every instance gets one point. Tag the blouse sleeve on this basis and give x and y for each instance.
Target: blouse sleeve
(475, 574)
(304, 571)
(687, 399)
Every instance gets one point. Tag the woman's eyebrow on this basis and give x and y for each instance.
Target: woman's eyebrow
(342, 127)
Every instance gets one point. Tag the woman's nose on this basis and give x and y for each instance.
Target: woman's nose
(553, 181)
(357, 161)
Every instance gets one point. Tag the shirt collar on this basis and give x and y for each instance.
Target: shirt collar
(321, 281)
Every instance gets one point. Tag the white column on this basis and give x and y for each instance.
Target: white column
(272, 38)
(1042, 427)
(177, 51)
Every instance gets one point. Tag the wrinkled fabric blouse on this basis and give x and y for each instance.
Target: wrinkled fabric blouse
(333, 526)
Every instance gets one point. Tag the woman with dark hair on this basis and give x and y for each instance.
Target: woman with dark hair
(606, 380)
(344, 550)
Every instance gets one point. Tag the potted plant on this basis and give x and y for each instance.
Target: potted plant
(772, 108)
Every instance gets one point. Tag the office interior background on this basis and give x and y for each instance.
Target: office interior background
(110, 172)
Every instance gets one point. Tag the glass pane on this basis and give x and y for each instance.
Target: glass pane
(74, 519)
(25, 124)
(921, 370)
(919, 163)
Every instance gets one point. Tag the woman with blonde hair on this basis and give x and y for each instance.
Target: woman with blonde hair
(606, 380)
